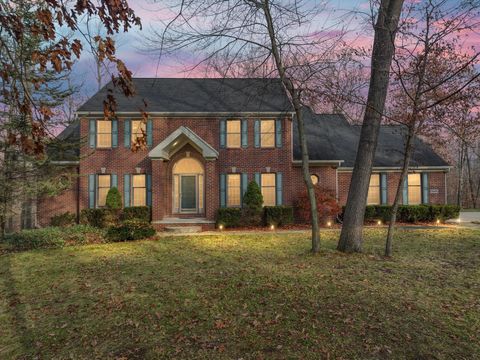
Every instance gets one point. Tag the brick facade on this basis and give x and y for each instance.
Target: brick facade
(436, 186)
(121, 160)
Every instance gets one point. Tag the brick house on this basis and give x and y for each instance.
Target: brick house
(207, 138)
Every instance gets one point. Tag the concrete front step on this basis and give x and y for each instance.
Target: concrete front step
(183, 229)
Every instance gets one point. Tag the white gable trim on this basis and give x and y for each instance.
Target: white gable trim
(176, 140)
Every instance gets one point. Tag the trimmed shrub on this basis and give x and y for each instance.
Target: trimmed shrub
(54, 237)
(278, 215)
(99, 218)
(229, 217)
(136, 212)
(412, 213)
(327, 206)
(252, 205)
(65, 219)
(130, 230)
(114, 199)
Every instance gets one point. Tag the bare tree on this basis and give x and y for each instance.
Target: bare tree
(277, 36)
(430, 71)
(351, 237)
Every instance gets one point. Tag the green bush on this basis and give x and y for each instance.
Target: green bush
(114, 199)
(252, 205)
(229, 217)
(278, 215)
(136, 212)
(54, 237)
(65, 219)
(130, 230)
(412, 213)
(99, 218)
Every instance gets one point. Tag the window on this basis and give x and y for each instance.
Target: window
(139, 129)
(268, 189)
(139, 190)
(234, 133)
(267, 133)
(374, 190)
(102, 191)
(414, 189)
(104, 134)
(233, 190)
(314, 179)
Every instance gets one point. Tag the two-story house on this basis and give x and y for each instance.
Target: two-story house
(207, 138)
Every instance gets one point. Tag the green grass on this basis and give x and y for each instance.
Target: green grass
(253, 297)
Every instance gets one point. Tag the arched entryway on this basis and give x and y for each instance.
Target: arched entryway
(188, 186)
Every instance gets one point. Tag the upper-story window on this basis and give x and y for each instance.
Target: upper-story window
(374, 190)
(104, 134)
(234, 133)
(267, 133)
(139, 129)
(103, 186)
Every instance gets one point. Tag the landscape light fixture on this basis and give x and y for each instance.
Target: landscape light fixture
(379, 222)
(220, 227)
(329, 223)
(272, 227)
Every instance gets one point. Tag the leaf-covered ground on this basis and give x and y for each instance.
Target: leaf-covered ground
(245, 296)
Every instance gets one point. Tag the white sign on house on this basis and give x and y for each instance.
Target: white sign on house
(434, 191)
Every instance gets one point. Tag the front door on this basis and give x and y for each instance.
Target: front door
(188, 193)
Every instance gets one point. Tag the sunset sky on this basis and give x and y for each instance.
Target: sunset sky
(147, 65)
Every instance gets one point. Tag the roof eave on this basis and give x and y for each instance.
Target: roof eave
(183, 114)
(445, 168)
(319, 162)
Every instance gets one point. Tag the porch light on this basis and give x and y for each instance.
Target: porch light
(379, 222)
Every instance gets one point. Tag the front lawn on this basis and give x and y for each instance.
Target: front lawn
(260, 296)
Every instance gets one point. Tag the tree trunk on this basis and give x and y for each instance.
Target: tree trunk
(297, 105)
(308, 182)
(471, 186)
(460, 176)
(393, 216)
(351, 238)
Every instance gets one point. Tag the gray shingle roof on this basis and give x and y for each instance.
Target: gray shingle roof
(197, 95)
(66, 146)
(331, 137)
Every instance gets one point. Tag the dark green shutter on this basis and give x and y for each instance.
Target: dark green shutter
(244, 182)
(92, 132)
(127, 133)
(149, 189)
(405, 191)
(223, 190)
(126, 190)
(91, 191)
(114, 133)
(244, 133)
(113, 181)
(258, 179)
(279, 188)
(149, 133)
(383, 189)
(278, 133)
(425, 188)
(223, 133)
(256, 129)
